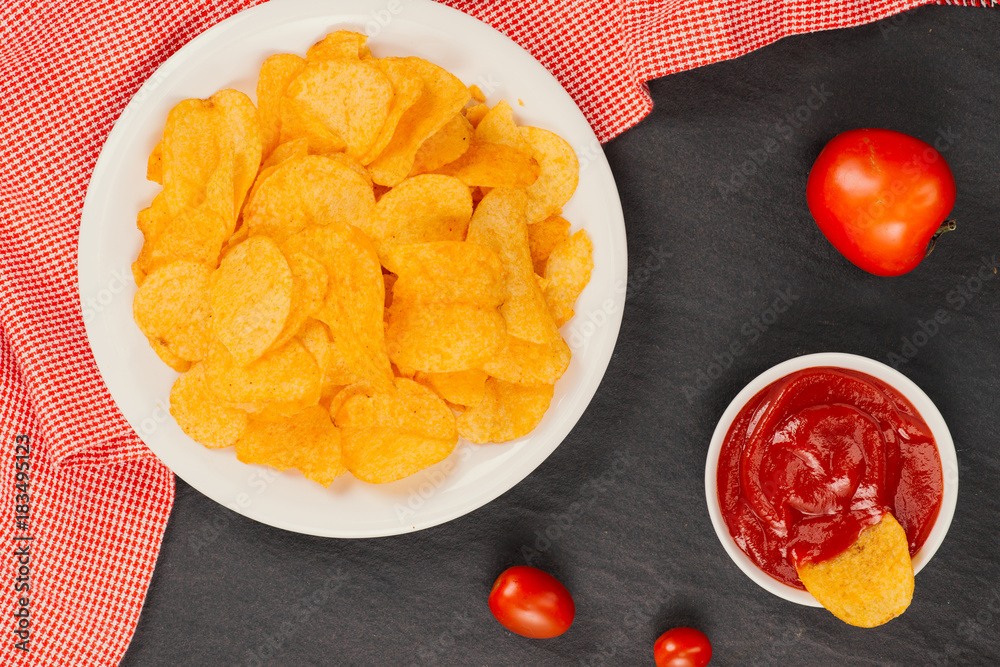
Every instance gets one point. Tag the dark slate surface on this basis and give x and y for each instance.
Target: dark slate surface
(641, 555)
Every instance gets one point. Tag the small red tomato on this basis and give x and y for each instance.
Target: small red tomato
(531, 603)
(879, 196)
(682, 647)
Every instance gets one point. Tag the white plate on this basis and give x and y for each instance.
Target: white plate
(229, 56)
(925, 407)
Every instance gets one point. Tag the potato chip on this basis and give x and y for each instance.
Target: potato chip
(525, 362)
(543, 237)
(444, 316)
(465, 388)
(289, 374)
(338, 45)
(476, 93)
(275, 75)
(350, 97)
(499, 224)
(241, 127)
(309, 285)
(494, 166)
(311, 190)
(354, 303)
(201, 415)
(154, 165)
(476, 113)
(419, 210)
(197, 235)
(389, 436)
(307, 441)
(172, 309)
(558, 176)
(282, 152)
(567, 272)
(407, 86)
(297, 122)
(443, 96)
(444, 146)
(871, 582)
(506, 412)
(251, 298)
(498, 127)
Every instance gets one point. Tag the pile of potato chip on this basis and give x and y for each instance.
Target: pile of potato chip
(361, 268)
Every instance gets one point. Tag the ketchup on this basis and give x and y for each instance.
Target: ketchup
(818, 456)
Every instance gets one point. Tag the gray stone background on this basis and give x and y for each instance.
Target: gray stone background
(640, 555)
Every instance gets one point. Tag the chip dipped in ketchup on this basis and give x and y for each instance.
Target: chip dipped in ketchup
(816, 457)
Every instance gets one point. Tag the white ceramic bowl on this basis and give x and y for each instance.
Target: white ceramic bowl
(892, 377)
(228, 55)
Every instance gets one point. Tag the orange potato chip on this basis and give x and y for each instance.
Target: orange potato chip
(459, 388)
(307, 441)
(286, 151)
(311, 190)
(275, 75)
(871, 582)
(567, 272)
(444, 146)
(315, 337)
(251, 298)
(558, 176)
(443, 96)
(525, 362)
(421, 209)
(444, 316)
(241, 127)
(350, 97)
(476, 113)
(499, 224)
(498, 127)
(338, 45)
(197, 235)
(476, 93)
(389, 436)
(507, 411)
(354, 303)
(543, 237)
(289, 375)
(494, 166)
(297, 122)
(154, 165)
(407, 86)
(172, 309)
(201, 415)
(309, 285)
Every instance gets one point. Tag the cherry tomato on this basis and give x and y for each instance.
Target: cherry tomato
(531, 603)
(682, 647)
(879, 196)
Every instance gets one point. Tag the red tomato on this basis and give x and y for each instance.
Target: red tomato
(879, 196)
(531, 603)
(682, 647)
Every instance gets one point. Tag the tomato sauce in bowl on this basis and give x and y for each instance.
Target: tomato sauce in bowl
(816, 457)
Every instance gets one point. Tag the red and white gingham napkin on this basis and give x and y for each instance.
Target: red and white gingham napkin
(98, 500)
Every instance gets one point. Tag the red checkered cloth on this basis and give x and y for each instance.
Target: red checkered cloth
(84, 502)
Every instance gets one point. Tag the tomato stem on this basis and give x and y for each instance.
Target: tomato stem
(946, 226)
